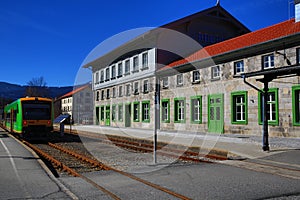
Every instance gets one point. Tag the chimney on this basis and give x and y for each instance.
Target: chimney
(297, 10)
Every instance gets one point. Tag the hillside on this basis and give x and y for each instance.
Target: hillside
(13, 91)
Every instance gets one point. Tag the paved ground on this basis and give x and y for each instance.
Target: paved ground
(196, 181)
(21, 174)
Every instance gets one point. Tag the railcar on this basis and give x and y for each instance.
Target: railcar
(29, 115)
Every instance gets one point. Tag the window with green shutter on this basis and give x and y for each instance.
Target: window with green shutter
(272, 107)
(179, 106)
(239, 107)
(196, 109)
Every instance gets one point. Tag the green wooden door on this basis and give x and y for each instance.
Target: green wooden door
(216, 113)
(97, 115)
(107, 116)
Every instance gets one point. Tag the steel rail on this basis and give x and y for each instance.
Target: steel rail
(149, 148)
(69, 170)
(158, 187)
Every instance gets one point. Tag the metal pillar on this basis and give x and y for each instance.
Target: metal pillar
(265, 117)
(156, 117)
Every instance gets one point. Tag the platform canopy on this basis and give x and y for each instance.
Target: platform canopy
(268, 76)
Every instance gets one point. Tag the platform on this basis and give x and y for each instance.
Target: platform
(22, 174)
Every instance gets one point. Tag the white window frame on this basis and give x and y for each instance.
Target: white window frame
(107, 74)
(196, 76)
(146, 86)
(136, 87)
(179, 79)
(127, 67)
(113, 72)
(165, 82)
(215, 72)
(135, 64)
(120, 69)
(268, 61)
(127, 90)
(239, 67)
(145, 60)
(120, 91)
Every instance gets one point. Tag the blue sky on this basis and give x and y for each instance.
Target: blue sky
(51, 38)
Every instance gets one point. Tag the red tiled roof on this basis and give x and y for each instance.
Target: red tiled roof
(73, 92)
(260, 36)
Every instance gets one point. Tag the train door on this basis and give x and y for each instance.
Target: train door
(128, 115)
(107, 116)
(12, 120)
(216, 113)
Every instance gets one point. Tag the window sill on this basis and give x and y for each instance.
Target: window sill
(272, 123)
(145, 68)
(180, 121)
(239, 122)
(216, 79)
(195, 82)
(196, 122)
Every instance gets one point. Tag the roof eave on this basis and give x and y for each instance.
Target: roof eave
(271, 45)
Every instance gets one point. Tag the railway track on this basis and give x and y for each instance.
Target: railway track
(175, 151)
(261, 165)
(41, 149)
(268, 166)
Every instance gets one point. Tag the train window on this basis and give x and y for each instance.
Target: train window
(36, 111)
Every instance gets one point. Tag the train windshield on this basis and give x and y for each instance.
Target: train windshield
(36, 111)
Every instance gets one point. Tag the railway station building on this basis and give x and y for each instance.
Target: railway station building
(211, 85)
(77, 104)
